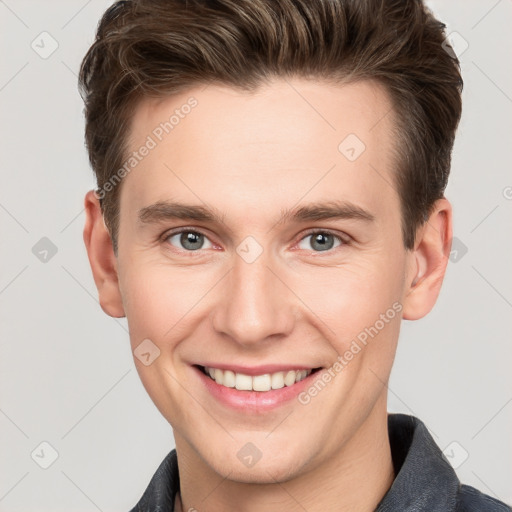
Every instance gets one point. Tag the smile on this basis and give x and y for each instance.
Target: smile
(264, 382)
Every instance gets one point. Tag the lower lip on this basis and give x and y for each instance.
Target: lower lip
(258, 401)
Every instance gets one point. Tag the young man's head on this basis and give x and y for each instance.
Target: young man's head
(270, 200)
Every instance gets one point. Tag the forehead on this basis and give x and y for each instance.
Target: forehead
(251, 150)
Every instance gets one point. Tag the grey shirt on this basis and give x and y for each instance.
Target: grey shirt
(425, 481)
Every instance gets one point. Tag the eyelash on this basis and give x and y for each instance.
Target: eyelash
(343, 240)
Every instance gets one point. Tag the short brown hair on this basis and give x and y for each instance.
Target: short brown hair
(155, 48)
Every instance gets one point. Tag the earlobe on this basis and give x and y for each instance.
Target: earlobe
(101, 258)
(428, 262)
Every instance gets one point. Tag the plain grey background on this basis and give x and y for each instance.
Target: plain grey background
(67, 376)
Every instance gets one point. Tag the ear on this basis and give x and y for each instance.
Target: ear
(428, 261)
(101, 258)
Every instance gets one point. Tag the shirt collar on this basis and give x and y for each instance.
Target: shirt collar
(424, 481)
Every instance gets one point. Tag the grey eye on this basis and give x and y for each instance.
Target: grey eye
(321, 241)
(190, 240)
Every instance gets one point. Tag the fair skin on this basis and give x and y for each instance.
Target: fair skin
(249, 157)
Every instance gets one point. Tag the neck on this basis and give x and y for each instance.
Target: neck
(355, 478)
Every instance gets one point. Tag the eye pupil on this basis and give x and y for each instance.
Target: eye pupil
(325, 241)
(191, 241)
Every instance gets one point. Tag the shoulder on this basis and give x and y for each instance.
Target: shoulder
(472, 500)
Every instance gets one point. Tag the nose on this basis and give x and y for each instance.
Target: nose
(255, 306)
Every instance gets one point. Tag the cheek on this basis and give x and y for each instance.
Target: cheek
(158, 302)
(157, 298)
(355, 301)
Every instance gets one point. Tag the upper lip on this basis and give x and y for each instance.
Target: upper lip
(260, 369)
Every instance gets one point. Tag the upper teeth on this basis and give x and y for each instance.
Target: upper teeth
(264, 382)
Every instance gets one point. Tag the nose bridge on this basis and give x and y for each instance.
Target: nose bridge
(254, 304)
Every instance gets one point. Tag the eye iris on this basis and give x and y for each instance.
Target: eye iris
(192, 241)
(325, 241)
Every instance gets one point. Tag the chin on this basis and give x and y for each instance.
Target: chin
(278, 468)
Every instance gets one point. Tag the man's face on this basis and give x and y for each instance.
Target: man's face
(257, 290)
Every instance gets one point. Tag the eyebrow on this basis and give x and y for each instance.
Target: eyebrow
(167, 210)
